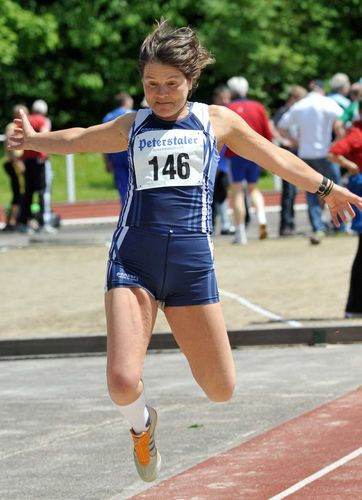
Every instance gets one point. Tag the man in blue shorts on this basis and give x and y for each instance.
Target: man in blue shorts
(117, 163)
(241, 169)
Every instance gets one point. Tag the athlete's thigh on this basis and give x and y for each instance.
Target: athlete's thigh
(131, 314)
(201, 334)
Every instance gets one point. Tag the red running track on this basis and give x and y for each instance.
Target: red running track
(288, 455)
(86, 209)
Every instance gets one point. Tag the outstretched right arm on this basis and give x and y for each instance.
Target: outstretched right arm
(109, 137)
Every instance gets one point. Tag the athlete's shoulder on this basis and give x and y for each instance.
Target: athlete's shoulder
(223, 120)
(217, 112)
(124, 123)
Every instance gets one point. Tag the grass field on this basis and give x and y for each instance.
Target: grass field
(91, 179)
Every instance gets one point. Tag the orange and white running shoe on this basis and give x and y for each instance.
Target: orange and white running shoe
(145, 453)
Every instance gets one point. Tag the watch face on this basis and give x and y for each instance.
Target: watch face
(323, 187)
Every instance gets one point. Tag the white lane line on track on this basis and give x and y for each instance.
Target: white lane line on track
(276, 208)
(258, 309)
(318, 474)
(89, 220)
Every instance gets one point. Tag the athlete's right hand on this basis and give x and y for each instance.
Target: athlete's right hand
(22, 134)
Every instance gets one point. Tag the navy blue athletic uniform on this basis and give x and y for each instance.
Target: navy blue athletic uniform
(162, 242)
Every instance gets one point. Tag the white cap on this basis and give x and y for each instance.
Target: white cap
(40, 106)
(238, 85)
(339, 81)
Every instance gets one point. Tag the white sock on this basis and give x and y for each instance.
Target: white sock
(224, 216)
(240, 234)
(262, 217)
(136, 413)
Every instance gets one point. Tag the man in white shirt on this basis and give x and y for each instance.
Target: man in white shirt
(316, 117)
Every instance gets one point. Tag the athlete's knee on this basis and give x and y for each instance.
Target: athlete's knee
(122, 385)
(222, 391)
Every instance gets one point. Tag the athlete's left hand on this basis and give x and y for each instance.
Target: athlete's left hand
(339, 202)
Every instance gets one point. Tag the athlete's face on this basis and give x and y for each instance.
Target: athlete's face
(166, 89)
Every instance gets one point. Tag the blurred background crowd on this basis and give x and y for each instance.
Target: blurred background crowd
(310, 123)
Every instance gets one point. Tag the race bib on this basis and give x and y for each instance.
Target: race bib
(165, 158)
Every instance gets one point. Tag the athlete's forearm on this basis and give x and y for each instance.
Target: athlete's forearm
(59, 142)
(285, 164)
(279, 161)
(294, 170)
(103, 138)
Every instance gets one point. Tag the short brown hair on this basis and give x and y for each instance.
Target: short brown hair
(122, 98)
(297, 92)
(18, 107)
(177, 47)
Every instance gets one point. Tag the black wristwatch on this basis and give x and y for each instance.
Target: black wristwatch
(323, 186)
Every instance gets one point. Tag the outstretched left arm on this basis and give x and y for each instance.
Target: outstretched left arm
(232, 130)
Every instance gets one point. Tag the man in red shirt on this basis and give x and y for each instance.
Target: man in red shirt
(348, 150)
(241, 169)
(348, 153)
(34, 168)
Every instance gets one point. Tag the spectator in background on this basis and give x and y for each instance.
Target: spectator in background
(347, 152)
(316, 117)
(34, 162)
(40, 107)
(14, 168)
(117, 163)
(288, 141)
(340, 86)
(351, 113)
(222, 97)
(255, 115)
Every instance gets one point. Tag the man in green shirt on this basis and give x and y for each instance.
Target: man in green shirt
(351, 112)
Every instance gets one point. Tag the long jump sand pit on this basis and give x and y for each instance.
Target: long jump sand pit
(58, 290)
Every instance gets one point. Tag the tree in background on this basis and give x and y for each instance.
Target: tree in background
(77, 54)
(275, 43)
(26, 40)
